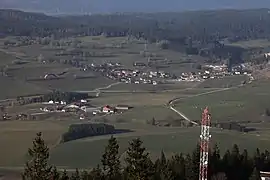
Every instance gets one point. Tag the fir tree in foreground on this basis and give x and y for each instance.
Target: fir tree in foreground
(55, 174)
(75, 175)
(96, 174)
(37, 168)
(219, 176)
(64, 176)
(110, 160)
(255, 175)
(139, 165)
(163, 168)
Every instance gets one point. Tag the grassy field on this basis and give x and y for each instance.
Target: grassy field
(87, 152)
(150, 87)
(17, 136)
(238, 104)
(12, 88)
(225, 82)
(129, 52)
(247, 103)
(146, 105)
(252, 43)
(5, 58)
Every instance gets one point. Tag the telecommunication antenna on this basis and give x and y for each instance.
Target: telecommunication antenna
(204, 143)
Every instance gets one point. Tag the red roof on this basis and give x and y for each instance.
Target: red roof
(107, 107)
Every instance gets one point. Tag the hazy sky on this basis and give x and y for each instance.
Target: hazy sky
(99, 6)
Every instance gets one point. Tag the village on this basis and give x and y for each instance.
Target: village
(141, 76)
(115, 71)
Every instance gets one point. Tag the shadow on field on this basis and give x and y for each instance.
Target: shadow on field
(121, 131)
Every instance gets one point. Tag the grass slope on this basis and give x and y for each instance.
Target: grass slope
(84, 153)
(17, 136)
(246, 103)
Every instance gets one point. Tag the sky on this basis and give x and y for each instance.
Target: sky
(109, 6)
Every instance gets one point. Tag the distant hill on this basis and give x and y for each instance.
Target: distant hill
(108, 6)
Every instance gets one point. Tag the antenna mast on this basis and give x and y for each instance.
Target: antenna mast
(205, 139)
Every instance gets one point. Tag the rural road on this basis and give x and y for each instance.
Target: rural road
(107, 87)
(172, 101)
(182, 115)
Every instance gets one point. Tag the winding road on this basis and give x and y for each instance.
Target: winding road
(172, 101)
(107, 87)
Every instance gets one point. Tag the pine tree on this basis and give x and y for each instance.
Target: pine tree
(139, 165)
(235, 163)
(189, 174)
(167, 172)
(37, 168)
(246, 166)
(214, 161)
(178, 166)
(219, 176)
(258, 160)
(75, 175)
(85, 175)
(111, 161)
(96, 174)
(255, 175)
(163, 159)
(161, 162)
(195, 163)
(226, 163)
(163, 168)
(64, 176)
(55, 174)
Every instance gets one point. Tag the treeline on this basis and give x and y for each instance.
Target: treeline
(182, 27)
(204, 33)
(233, 165)
(77, 131)
(65, 96)
(56, 96)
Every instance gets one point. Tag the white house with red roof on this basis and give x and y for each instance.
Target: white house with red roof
(108, 109)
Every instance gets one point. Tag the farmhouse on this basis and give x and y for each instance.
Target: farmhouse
(108, 109)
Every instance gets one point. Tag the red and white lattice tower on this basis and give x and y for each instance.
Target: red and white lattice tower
(205, 139)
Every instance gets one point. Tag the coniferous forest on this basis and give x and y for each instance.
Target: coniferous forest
(233, 165)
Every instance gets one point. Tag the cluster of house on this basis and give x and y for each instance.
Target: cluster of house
(115, 72)
(212, 72)
(107, 109)
(82, 107)
(61, 106)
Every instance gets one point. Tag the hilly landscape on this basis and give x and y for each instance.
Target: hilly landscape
(109, 6)
(150, 82)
